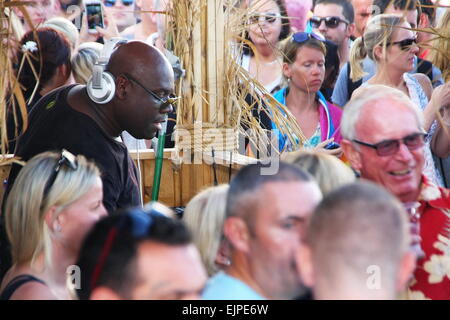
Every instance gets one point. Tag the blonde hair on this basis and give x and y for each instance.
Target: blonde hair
(204, 216)
(328, 171)
(66, 27)
(83, 61)
(439, 54)
(379, 31)
(290, 47)
(17, 29)
(27, 206)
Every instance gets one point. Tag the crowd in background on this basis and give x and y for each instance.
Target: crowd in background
(366, 196)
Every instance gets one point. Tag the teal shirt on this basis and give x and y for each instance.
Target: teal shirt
(222, 286)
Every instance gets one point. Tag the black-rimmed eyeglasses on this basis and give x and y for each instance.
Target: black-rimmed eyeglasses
(390, 147)
(330, 22)
(404, 44)
(165, 102)
(67, 159)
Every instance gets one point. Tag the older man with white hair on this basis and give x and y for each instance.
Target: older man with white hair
(383, 140)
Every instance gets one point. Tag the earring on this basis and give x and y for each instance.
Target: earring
(56, 227)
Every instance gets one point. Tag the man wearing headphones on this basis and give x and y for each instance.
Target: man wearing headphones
(133, 94)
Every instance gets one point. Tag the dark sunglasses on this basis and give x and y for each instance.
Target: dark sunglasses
(261, 17)
(330, 22)
(67, 159)
(390, 147)
(111, 3)
(165, 102)
(301, 37)
(137, 221)
(405, 44)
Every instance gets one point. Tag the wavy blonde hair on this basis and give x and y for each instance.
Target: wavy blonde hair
(66, 27)
(204, 216)
(27, 206)
(84, 59)
(328, 171)
(379, 31)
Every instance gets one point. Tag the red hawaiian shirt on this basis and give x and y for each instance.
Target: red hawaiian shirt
(432, 274)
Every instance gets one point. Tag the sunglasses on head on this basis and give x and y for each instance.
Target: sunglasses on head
(301, 37)
(404, 44)
(261, 17)
(137, 221)
(111, 3)
(330, 22)
(67, 159)
(391, 147)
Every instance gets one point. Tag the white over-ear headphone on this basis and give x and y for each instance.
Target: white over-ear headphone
(101, 87)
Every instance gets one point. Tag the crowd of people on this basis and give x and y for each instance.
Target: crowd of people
(360, 211)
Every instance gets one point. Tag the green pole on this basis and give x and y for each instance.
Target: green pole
(158, 165)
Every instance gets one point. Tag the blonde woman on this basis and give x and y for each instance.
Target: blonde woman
(55, 200)
(204, 215)
(328, 171)
(84, 59)
(268, 24)
(66, 27)
(389, 42)
(304, 69)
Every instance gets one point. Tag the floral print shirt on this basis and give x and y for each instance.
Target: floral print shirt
(432, 274)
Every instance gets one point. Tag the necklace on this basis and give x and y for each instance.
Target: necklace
(269, 63)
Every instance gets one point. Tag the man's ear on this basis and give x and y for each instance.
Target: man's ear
(406, 270)
(424, 22)
(236, 231)
(223, 257)
(104, 293)
(121, 87)
(351, 154)
(351, 29)
(304, 265)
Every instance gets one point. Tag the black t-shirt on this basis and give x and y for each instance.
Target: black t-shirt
(14, 123)
(54, 125)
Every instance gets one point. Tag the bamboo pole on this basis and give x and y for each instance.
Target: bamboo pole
(220, 63)
(211, 54)
(197, 86)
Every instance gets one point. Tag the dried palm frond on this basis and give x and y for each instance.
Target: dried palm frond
(10, 92)
(216, 91)
(439, 55)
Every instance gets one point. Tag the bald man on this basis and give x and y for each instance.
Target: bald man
(357, 245)
(67, 118)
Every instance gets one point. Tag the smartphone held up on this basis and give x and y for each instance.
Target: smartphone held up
(94, 13)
